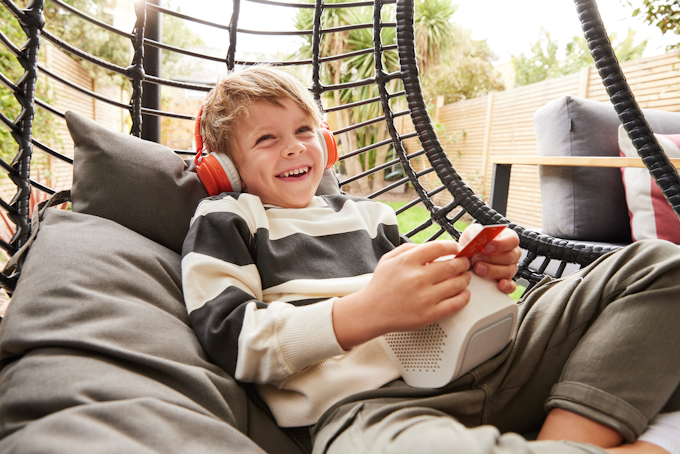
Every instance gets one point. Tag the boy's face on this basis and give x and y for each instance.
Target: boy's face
(279, 157)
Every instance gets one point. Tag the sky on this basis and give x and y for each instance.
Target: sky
(511, 27)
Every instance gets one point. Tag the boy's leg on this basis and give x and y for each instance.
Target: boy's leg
(605, 335)
(619, 333)
(565, 425)
(390, 428)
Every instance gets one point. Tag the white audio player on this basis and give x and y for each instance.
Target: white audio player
(433, 356)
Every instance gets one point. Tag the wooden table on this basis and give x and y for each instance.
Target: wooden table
(502, 166)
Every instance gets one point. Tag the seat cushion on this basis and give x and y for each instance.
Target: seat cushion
(97, 353)
(586, 203)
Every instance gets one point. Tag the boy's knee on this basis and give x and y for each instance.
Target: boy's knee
(655, 247)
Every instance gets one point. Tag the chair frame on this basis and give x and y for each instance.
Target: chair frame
(144, 107)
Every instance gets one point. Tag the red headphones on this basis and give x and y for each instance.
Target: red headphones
(218, 173)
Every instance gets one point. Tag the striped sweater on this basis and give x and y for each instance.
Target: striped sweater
(259, 284)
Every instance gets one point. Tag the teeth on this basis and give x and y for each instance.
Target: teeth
(296, 171)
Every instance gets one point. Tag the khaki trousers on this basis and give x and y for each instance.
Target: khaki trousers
(603, 342)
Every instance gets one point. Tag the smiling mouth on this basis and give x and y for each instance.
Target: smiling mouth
(296, 173)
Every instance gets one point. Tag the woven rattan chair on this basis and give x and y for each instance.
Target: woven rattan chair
(464, 200)
(83, 365)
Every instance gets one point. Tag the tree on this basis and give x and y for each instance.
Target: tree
(176, 33)
(543, 61)
(663, 14)
(451, 63)
(88, 36)
(435, 34)
(464, 71)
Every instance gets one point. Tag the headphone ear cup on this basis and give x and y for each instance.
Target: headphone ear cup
(218, 174)
(233, 178)
(328, 146)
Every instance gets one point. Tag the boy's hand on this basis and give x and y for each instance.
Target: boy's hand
(408, 291)
(499, 258)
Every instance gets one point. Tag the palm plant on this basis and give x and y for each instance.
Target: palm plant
(434, 32)
(434, 36)
(362, 67)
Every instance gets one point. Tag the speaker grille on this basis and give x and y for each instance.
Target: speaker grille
(420, 350)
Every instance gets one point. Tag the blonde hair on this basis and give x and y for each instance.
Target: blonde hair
(231, 99)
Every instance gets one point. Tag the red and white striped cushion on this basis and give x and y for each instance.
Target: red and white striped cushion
(650, 214)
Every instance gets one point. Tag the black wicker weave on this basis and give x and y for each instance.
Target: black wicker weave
(142, 109)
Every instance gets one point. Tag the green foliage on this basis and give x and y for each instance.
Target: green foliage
(543, 61)
(435, 34)
(88, 37)
(353, 68)
(466, 76)
(663, 14)
(517, 294)
(541, 64)
(176, 33)
(451, 64)
(12, 70)
(461, 66)
(9, 106)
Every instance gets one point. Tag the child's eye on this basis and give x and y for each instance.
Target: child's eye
(303, 129)
(264, 137)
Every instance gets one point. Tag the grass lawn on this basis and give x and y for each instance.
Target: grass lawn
(414, 216)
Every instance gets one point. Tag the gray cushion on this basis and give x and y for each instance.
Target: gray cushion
(98, 355)
(139, 184)
(579, 202)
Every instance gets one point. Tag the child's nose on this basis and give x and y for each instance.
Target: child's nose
(293, 147)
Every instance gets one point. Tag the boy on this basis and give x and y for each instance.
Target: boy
(289, 291)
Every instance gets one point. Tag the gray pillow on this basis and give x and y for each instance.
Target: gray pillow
(139, 184)
(586, 203)
(98, 355)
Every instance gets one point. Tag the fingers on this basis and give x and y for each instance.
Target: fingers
(497, 272)
(421, 254)
(510, 257)
(499, 260)
(429, 252)
(505, 242)
(469, 233)
(507, 286)
(452, 305)
(399, 250)
(448, 268)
